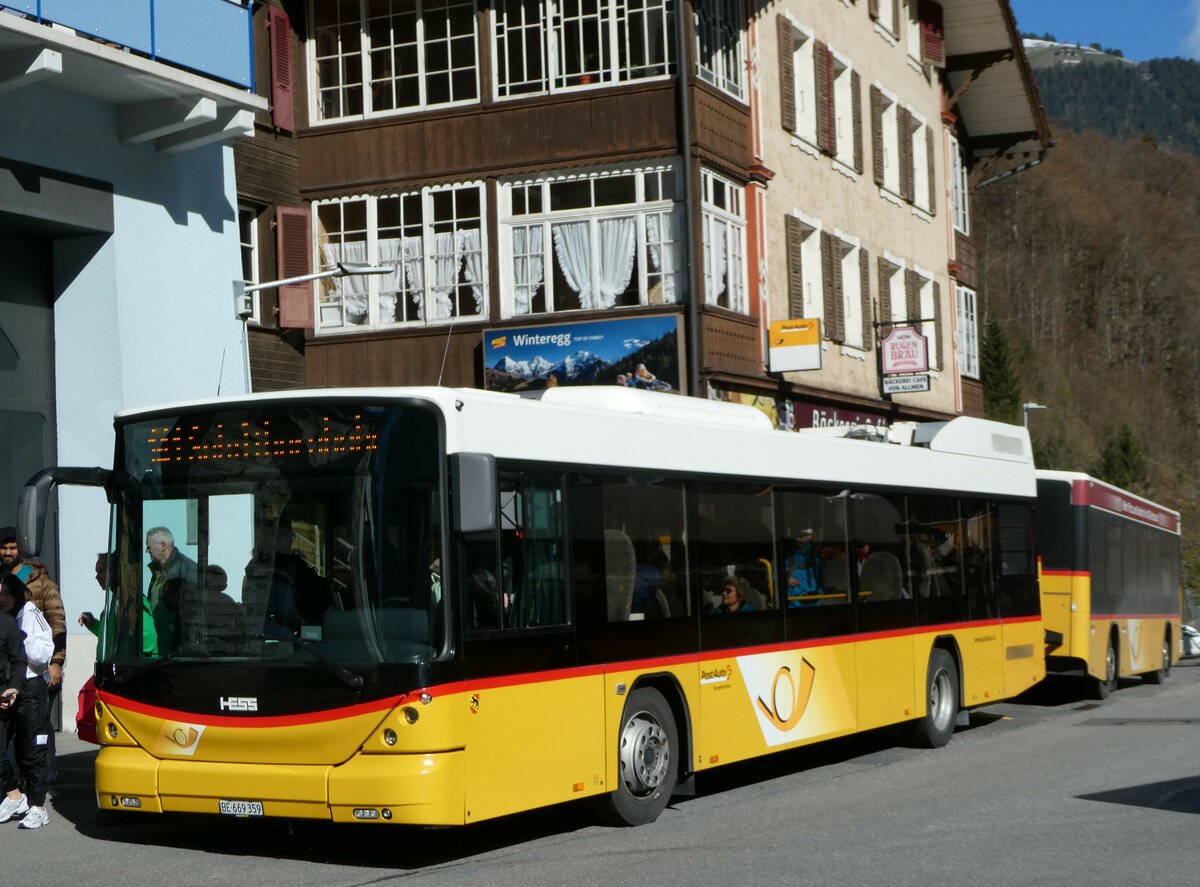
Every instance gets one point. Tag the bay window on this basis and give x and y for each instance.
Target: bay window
(373, 57)
(723, 220)
(552, 45)
(721, 45)
(431, 238)
(591, 240)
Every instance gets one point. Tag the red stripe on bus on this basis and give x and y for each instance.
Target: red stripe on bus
(1066, 572)
(1116, 616)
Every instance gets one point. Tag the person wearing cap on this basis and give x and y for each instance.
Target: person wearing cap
(803, 569)
(44, 594)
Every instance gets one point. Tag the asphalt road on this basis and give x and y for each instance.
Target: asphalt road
(1052, 788)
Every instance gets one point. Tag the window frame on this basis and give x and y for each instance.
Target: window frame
(546, 218)
(251, 256)
(735, 225)
(960, 202)
(967, 339)
(608, 70)
(365, 63)
(374, 283)
(717, 20)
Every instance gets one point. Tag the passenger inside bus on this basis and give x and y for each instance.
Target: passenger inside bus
(733, 597)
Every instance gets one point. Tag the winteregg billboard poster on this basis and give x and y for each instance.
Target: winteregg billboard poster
(640, 352)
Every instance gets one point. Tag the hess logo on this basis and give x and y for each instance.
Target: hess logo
(239, 703)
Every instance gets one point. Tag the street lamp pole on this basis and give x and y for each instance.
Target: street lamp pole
(1026, 408)
(243, 301)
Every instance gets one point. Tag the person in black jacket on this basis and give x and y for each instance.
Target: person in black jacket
(12, 678)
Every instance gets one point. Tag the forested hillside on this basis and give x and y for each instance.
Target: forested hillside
(1090, 296)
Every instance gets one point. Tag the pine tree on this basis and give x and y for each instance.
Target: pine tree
(1001, 386)
(1122, 461)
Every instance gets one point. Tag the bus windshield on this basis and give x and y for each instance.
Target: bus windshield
(277, 530)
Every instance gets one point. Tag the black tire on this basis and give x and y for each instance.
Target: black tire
(1102, 687)
(1160, 674)
(647, 756)
(941, 695)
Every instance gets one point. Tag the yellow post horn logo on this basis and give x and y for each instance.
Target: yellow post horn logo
(798, 695)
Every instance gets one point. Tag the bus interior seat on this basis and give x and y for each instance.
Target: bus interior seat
(620, 565)
(837, 576)
(882, 576)
(663, 605)
(751, 595)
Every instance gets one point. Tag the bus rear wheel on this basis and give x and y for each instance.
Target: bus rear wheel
(1102, 687)
(646, 754)
(1158, 675)
(941, 695)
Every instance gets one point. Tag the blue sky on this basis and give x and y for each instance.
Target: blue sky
(1142, 29)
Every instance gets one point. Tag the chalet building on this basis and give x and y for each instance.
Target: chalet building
(617, 193)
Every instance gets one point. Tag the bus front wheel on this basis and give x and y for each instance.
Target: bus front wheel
(941, 695)
(1159, 674)
(1101, 687)
(646, 753)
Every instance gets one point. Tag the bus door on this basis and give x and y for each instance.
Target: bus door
(881, 579)
(519, 653)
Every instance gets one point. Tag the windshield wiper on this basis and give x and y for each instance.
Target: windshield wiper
(343, 674)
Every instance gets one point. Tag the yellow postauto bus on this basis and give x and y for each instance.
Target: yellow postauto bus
(438, 606)
(1110, 580)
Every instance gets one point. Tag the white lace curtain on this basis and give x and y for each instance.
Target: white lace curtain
(572, 246)
(451, 250)
(528, 266)
(660, 240)
(352, 289)
(718, 245)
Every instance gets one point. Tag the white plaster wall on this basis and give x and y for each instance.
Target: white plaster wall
(813, 186)
(149, 318)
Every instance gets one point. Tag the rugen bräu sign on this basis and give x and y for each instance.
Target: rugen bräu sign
(904, 350)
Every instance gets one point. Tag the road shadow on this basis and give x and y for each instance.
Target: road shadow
(1174, 795)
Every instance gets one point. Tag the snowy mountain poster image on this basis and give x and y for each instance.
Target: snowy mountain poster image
(640, 352)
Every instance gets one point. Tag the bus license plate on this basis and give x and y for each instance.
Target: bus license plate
(241, 808)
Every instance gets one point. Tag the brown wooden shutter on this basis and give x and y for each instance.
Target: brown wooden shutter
(856, 110)
(795, 271)
(885, 292)
(787, 74)
(864, 279)
(873, 9)
(904, 130)
(279, 35)
(896, 17)
(823, 78)
(933, 44)
(933, 179)
(877, 153)
(937, 324)
(912, 295)
(293, 257)
(835, 313)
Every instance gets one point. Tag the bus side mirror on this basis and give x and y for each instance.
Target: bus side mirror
(31, 512)
(473, 492)
(34, 501)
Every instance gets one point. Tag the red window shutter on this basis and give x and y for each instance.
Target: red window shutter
(279, 36)
(293, 257)
(933, 43)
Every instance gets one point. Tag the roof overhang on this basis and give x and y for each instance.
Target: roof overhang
(175, 109)
(990, 86)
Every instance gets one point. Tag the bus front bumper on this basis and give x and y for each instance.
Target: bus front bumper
(412, 789)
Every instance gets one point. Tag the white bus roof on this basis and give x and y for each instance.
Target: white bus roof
(625, 428)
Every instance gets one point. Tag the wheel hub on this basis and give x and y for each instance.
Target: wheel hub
(645, 754)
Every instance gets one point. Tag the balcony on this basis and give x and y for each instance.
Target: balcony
(180, 73)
